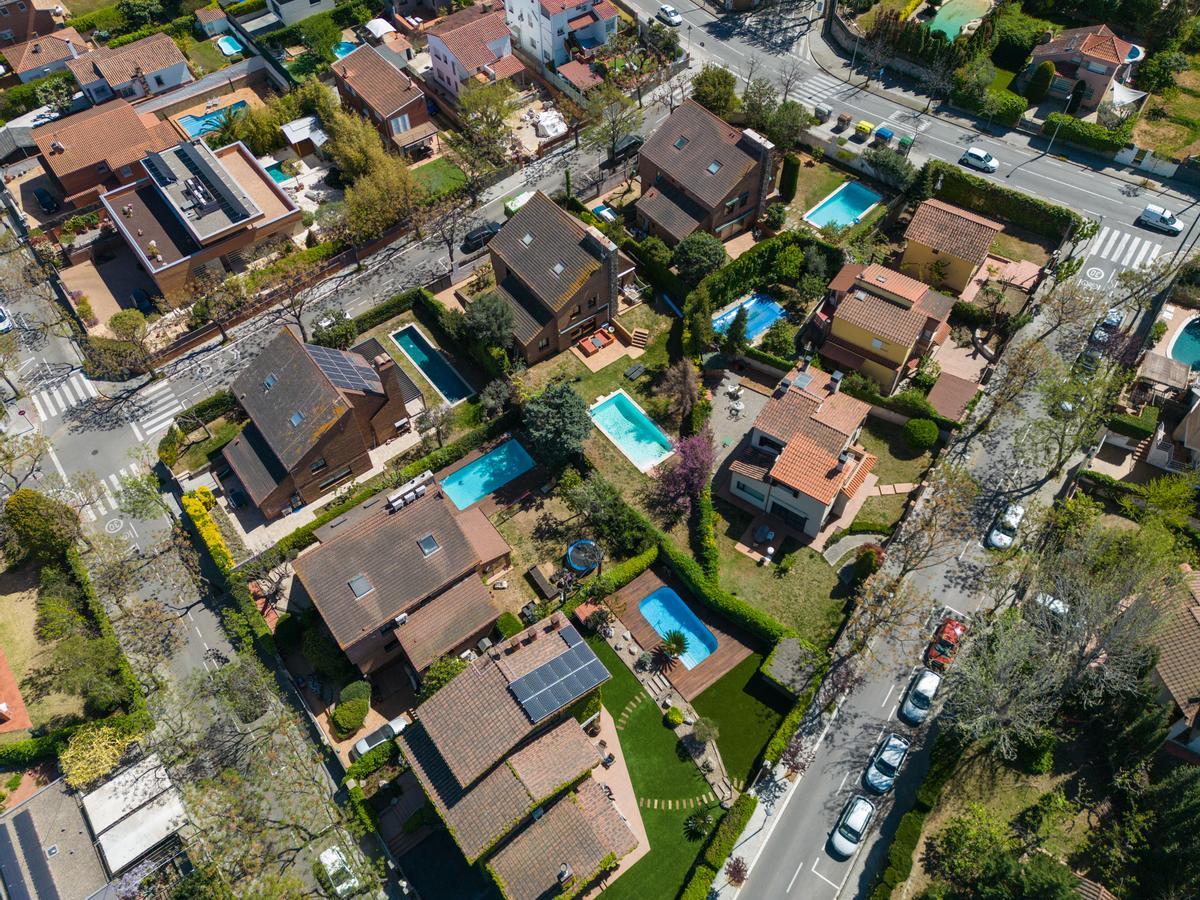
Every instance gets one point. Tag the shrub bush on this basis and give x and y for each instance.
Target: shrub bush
(943, 760)
(1037, 756)
(617, 576)
(388, 309)
(245, 7)
(509, 624)
(673, 717)
(355, 690)
(867, 562)
(699, 885)
(1089, 134)
(1138, 427)
(920, 434)
(706, 534)
(730, 828)
(348, 717)
(289, 631)
(326, 657)
(588, 707)
(372, 761)
(208, 531)
(789, 177)
(1039, 83)
(176, 28)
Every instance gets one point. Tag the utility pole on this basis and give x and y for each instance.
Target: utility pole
(1053, 136)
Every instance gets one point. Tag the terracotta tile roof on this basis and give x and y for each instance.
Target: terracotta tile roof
(1178, 642)
(39, 52)
(466, 34)
(446, 621)
(671, 210)
(383, 87)
(207, 14)
(150, 54)
(687, 144)
(507, 66)
(561, 754)
(580, 830)
(580, 74)
(489, 544)
(1093, 890)
(885, 319)
(951, 394)
(112, 133)
(604, 10)
(884, 279)
(1098, 41)
(865, 464)
(845, 277)
(952, 230)
(810, 468)
(753, 463)
(936, 305)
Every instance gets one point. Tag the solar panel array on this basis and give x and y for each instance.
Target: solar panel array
(10, 869)
(35, 857)
(160, 173)
(344, 370)
(559, 682)
(232, 205)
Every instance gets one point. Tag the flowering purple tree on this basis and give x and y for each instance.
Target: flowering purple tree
(680, 481)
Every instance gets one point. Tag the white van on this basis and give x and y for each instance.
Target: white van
(1160, 219)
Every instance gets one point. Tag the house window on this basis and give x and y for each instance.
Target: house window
(390, 645)
(681, 142)
(21, 7)
(334, 478)
(3, 10)
(770, 444)
(876, 344)
(428, 545)
(296, 419)
(751, 492)
(317, 465)
(592, 303)
(543, 343)
(714, 167)
(576, 311)
(400, 124)
(158, 81)
(361, 586)
(126, 172)
(101, 167)
(270, 381)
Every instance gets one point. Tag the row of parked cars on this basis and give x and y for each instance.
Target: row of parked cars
(889, 757)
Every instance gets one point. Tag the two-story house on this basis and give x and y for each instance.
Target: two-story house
(21, 20)
(549, 29)
(399, 581)
(558, 276)
(801, 462)
(946, 245)
(290, 12)
(141, 69)
(880, 323)
(99, 148)
(506, 765)
(371, 81)
(700, 173)
(42, 56)
(472, 43)
(1090, 62)
(315, 414)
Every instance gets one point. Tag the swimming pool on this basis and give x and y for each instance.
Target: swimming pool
(1186, 346)
(433, 365)
(666, 611)
(275, 170)
(229, 45)
(845, 206)
(492, 471)
(211, 121)
(344, 48)
(954, 14)
(626, 424)
(761, 313)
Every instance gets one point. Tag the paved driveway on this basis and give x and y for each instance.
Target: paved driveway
(728, 429)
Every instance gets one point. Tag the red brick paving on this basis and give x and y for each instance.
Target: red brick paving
(9, 693)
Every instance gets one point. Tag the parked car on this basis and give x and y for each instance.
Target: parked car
(477, 238)
(1113, 319)
(341, 879)
(6, 322)
(626, 147)
(1004, 532)
(1160, 219)
(1048, 607)
(920, 696)
(1100, 336)
(385, 732)
(1087, 362)
(946, 640)
(885, 764)
(852, 826)
(669, 15)
(978, 158)
(46, 200)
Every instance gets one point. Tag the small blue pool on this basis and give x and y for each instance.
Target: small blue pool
(666, 611)
(198, 125)
(344, 48)
(845, 206)
(229, 45)
(490, 472)
(954, 14)
(433, 365)
(1186, 346)
(275, 170)
(761, 313)
(626, 424)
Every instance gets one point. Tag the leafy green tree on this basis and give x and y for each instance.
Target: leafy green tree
(1170, 865)
(759, 102)
(489, 320)
(90, 667)
(1039, 83)
(340, 333)
(440, 673)
(495, 397)
(137, 13)
(39, 525)
(484, 110)
(356, 148)
(56, 93)
(776, 216)
(384, 195)
(786, 124)
(715, 88)
(1159, 70)
(608, 517)
(655, 251)
(1169, 498)
(890, 167)
(780, 340)
(697, 255)
(558, 423)
(674, 644)
(320, 34)
(734, 341)
(613, 116)
(970, 846)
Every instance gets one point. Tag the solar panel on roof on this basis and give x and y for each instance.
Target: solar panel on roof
(35, 857)
(570, 635)
(10, 869)
(344, 371)
(161, 174)
(560, 681)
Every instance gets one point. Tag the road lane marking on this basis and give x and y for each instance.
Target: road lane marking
(832, 884)
(888, 697)
(843, 784)
(1129, 253)
(796, 875)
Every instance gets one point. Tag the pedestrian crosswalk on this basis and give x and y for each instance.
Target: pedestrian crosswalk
(160, 407)
(1123, 248)
(108, 487)
(816, 88)
(57, 399)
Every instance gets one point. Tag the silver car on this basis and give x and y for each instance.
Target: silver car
(885, 764)
(920, 696)
(978, 158)
(385, 732)
(852, 826)
(341, 879)
(669, 15)
(1001, 536)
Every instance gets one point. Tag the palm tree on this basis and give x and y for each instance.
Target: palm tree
(675, 644)
(696, 826)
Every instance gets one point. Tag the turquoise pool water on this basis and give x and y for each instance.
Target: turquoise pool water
(954, 14)
(492, 471)
(625, 424)
(344, 48)
(433, 365)
(229, 45)
(846, 206)
(275, 170)
(666, 611)
(198, 125)
(761, 313)
(1186, 348)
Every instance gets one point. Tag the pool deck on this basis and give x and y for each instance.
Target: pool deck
(733, 645)
(249, 95)
(507, 494)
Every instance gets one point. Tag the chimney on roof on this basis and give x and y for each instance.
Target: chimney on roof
(1047, 37)
(843, 458)
(56, 146)
(835, 382)
(486, 6)
(37, 47)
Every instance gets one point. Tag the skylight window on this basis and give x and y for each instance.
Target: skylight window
(558, 268)
(714, 167)
(296, 419)
(527, 240)
(270, 382)
(361, 586)
(428, 545)
(681, 143)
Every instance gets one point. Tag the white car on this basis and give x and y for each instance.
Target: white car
(1160, 219)
(6, 322)
(1113, 319)
(385, 732)
(340, 877)
(1001, 537)
(978, 158)
(1051, 604)
(851, 826)
(885, 764)
(921, 692)
(670, 15)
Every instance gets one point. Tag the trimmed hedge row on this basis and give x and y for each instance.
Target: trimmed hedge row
(1092, 135)
(700, 414)
(706, 534)
(206, 527)
(1138, 427)
(769, 359)
(177, 28)
(245, 7)
(700, 884)
(616, 577)
(787, 729)
(1106, 485)
(388, 309)
(789, 178)
(720, 845)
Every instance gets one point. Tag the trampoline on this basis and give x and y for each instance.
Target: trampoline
(583, 555)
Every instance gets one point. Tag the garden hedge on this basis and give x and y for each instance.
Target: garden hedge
(617, 576)
(700, 414)
(348, 717)
(706, 534)
(106, 18)
(1092, 135)
(729, 829)
(787, 729)
(700, 884)
(346, 15)
(388, 309)
(245, 7)
(1106, 485)
(769, 359)
(181, 27)
(789, 178)
(22, 98)
(1138, 427)
(372, 761)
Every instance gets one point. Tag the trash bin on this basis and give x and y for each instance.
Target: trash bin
(906, 143)
(823, 112)
(883, 136)
(863, 129)
(843, 121)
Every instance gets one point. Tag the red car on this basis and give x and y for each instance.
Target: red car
(944, 645)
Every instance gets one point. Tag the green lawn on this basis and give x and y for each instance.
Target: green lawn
(198, 454)
(867, 20)
(1003, 79)
(817, 181)
(898, 463)
(206, 55)
(747, 710)
(1013, 244)
(82, 7)
(807, 598)
(886, 510)
(439, 176)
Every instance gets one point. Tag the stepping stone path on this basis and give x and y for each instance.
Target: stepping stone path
(705, 799)
(629, 708)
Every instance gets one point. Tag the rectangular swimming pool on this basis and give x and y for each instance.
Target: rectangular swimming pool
(666, 611)
(761, 313)
(490, 472)
(626, 424)
(210, 121)
(433, 365)
(845, 206)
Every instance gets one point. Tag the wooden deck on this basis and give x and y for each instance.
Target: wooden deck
(733, 645)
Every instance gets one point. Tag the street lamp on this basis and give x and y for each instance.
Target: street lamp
(689, 39)
(1053, 136)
